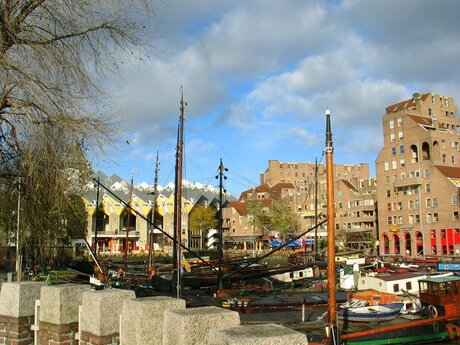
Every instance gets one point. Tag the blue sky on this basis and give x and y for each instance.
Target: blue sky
(258, 75)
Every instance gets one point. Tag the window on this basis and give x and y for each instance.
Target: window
(428, 202)
(389, 206)
(453, 159)
(393, 151)
(427, 188)
(399, 121)
(417, 218)
(389, 221)
(410, 204)
(402, 163)
(455, 199)
(427, 173)
(408, 286)
(401, 134)
(387, 166)
(428, 217)
(392, 137)
(401, 149)
(444, 158)
(399, 205)
(387, 179)
(429, 111)
(435, 217)
(392, 124)
(388, 193)
(434, 202)
(456, 216)
(394, 165)
(416, 204)
(396, 288)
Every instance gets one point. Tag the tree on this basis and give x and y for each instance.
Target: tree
(202, 218)
(284, 220)
(258, 217)
(51, 56)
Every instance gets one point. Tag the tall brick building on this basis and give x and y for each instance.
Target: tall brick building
(418, 178)
(294, 182)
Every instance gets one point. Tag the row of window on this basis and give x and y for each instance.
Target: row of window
(431, 217)
(431, 202)
(404, 175)
(393, 136)
(398, 123)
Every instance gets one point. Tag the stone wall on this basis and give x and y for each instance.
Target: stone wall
(72, 314)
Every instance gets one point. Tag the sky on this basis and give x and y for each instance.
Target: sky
(258, 76)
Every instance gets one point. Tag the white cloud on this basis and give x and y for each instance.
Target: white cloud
(258, 75)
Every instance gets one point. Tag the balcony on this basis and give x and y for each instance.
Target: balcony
(409, 181)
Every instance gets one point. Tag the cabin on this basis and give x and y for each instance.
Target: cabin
(395, 283)
(441, 295)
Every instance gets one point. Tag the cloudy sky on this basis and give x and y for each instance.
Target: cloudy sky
(258, 76)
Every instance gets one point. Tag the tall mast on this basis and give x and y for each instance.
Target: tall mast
(151, 261)
(316, 208)
(127, 220)
(177, 255)
(331, 275)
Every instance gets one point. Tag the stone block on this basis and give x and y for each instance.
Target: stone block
(269, 334)
(101, 310)
(142, 319)
(59, 303)
(17, 299)
(191, 326)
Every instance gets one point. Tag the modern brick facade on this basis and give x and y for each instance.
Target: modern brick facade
(418, 178)
(294, 183)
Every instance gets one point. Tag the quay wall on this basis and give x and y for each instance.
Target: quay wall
(71, 314)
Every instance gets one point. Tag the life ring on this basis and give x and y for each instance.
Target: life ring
(433, 312)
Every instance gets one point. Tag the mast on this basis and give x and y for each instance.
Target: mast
(331, 275)
(316, 208)
(127, 221)
(151, 260)
(177, 255)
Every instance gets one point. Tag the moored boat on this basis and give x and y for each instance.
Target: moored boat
(376, 313)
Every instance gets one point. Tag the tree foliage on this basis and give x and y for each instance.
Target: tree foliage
(201, 219)
(284, 220)
(259, 217)
(52, 54)
(278, 217)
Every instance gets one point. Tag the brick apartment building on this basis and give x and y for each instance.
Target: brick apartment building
(294, 182)
(418, 178)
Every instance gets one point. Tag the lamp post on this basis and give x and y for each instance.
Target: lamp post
(18, 255)
(220, 246)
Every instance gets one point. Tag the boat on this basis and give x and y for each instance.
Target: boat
(375, 313)
(439, 322)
